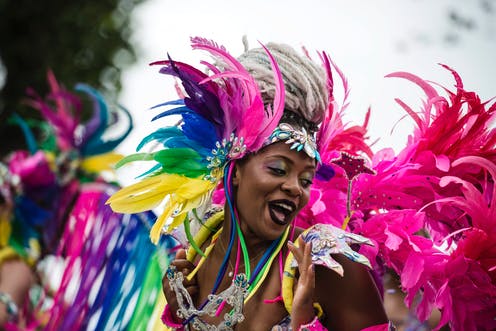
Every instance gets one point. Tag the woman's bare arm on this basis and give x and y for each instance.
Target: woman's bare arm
(351, 302)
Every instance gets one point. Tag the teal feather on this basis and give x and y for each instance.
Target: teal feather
(28, 134)
(102, 147)
(153, 171)
(96, 136)
(160, 135)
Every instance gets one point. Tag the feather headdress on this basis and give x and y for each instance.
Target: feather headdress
(62, 110)
(223, 118)
(89, 254)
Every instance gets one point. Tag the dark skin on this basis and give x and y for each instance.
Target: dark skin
(277, 173)
(16, 277)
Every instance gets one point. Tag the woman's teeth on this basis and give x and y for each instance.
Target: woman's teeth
(280, 211)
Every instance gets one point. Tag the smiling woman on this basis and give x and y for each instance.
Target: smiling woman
(271, 187)
(258, 125)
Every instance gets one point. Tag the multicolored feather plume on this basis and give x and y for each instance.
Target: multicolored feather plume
(222, 118)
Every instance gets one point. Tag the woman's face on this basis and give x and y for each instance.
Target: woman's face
(271, 187)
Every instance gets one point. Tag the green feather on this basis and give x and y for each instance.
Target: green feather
(174, 155)
(135, 157)
(184, 161)
(191, 240)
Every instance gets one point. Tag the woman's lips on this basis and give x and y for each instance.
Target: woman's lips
(277, 217)
(281, 210)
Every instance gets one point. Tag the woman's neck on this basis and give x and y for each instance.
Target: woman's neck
(254, 244)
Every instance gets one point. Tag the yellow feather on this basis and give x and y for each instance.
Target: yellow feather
(156, 230)
(146, 194)
(176, 221)
(183, 209)
(99, 163)
(157, 312)
(193, 200)
(132, 189)
(185, 194)
(5, 229)
(194, 187)
(131, 205)
(143, 185)
(7, 253)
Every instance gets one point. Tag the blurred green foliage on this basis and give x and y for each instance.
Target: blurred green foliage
(81, 41)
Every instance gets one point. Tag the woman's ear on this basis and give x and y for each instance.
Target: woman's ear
(236, 174)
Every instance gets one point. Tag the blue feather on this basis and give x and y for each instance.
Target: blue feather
(98, 146)
(197, 128)
(184, 142)
(91, 138)
(202, 100)
(169, 103)
(160, 135)
(173, 111)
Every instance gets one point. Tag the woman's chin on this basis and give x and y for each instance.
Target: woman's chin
(274, 229)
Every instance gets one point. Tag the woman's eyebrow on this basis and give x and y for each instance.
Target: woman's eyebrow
(291, 161)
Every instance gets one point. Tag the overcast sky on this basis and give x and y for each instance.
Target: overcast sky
(366, 39)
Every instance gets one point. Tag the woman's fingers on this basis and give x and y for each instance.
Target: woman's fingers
(297, 251)
(192, 290)
(185, 267)
(304, 292)
(302, 255)
(180, 261)
(181, 254)
(305, 266)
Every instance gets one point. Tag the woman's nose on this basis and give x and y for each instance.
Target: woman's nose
(292, 186)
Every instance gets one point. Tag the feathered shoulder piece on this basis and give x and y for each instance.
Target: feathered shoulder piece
(437, 213)
(222, 118)
(40, 183)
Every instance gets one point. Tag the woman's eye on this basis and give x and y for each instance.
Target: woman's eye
(306, 183)
(278, 171)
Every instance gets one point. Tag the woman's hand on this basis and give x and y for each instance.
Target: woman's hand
(186, 267)
(302, 309)
(16, 278)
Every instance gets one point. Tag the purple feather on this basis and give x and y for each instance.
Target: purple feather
(202, 98)
(325, 172)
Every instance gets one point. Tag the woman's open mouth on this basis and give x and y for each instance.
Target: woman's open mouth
(281, 211)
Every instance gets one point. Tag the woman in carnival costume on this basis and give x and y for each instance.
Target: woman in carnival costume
(428, 212)
(238, 169)
(95, 269)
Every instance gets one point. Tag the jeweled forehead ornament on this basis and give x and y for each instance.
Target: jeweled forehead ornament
(299, 140)
(224, 151)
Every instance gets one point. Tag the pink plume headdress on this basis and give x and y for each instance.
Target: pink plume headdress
(430, 209)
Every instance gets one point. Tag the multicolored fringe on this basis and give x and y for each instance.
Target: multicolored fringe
(98, 269)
